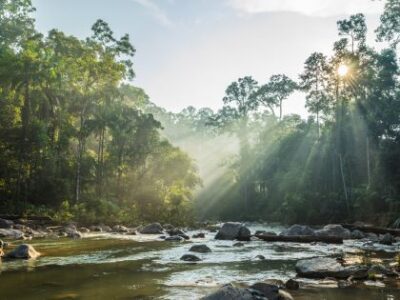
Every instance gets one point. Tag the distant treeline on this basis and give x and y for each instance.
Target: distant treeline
(341, 164)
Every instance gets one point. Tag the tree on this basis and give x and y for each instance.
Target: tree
(355, 29)
(278, 89)
(314, 81)
(389, 29)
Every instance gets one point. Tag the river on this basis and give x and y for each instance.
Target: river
(113, 266)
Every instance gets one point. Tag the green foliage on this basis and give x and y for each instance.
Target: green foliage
(75, 140)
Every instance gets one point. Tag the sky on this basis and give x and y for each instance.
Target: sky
(189, 51)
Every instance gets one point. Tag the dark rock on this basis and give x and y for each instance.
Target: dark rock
(154, 228)
(175, 231)
(292, 284)
(260, 257)
(334, 230)
(6, 223)
(263, 232)
(199, 235)
(357, 234)
(271, 292)
(231, 292)
(23, 251)
(233, 231)
(298, 230)
(190, 257)
(381, 270)
(184, 236)
(386, 239)
(323, 267)
(174, 238)
(202, 248)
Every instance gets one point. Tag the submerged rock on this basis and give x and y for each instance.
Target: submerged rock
(231, 292)
(298, 230)
(323, 267)
(190, 257)
(154, 228)
(202, 248)
(6, 223)
(23, 251)
(238, 244)
(233, 231)
(260, 257)
(334, 230)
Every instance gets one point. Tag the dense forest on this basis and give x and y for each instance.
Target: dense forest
(79, 141)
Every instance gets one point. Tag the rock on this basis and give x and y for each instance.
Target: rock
(11, 234)
(202, 248)
(84, 230)
(238, 244)
(260, 257)
(199, 235)
(292, 284)
(174, 238)
(106, 228)
(7, 224)
(323, 267)
(263, 232)
(96, 228)
(381, 270)
(334, 230)
(154, 228)
(357, 234)
(271, 292)
(23, 251)
(298, 230)
(233, 231)
(72, 232)
(231, 292)
(190, 257)
(372, 236)
(168, 227)
(120, 229)
(386, 239)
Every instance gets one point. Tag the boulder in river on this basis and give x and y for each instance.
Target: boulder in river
(199, 235)
(190, 257)
(357, 234)
(298, 230)
(233, 231)
(23, 251)
(292, 284)
(72, 232)
(154, 228)
(271, 292)
(323, 267)
(386, 239)
(174, 238)
(231, 292)
(120, 229)
(11, 234)
(201, 248)
(6, 223)
(334, 230)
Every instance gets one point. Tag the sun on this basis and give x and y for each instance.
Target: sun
(343, 70)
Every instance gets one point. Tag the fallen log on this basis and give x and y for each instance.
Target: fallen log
(372, 229)
(301, 239)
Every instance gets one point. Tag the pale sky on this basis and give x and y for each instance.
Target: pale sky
(189, 51)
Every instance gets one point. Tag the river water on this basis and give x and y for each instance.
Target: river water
(111, 266)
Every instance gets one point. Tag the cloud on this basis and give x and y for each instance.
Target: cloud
(155, 11)
(320, 8)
